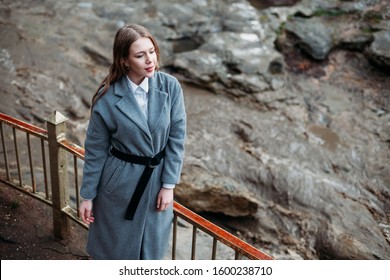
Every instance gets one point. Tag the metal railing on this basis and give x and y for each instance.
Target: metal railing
(48, 152)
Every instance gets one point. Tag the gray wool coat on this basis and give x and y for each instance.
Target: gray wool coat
(116, 120)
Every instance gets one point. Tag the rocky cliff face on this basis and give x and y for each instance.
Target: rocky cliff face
(288, 107)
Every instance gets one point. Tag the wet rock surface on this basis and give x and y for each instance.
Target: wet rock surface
(288, 107)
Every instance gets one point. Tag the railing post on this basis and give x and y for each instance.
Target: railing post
(56, 129)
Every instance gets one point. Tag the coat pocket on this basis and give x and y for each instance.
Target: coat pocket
(110, 176)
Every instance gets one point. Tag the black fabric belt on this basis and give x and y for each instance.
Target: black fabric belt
(150, 163)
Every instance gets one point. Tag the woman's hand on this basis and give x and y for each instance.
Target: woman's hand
(164, 199)
(86, 211)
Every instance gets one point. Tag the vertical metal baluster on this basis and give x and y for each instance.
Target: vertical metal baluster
(33, 184)
(17, 157)
(193, 251)
(76, 183)
(44, 168)
(214, 253)
(237, 255)
(5, 152)
(174, 237)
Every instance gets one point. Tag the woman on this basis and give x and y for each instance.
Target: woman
(134, 151)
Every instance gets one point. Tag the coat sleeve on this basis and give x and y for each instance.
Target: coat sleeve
(174, 152)
(97, 143)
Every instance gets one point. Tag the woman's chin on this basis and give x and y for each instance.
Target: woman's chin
(150, 74)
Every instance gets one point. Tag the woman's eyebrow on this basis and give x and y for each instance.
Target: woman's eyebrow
(152, 48)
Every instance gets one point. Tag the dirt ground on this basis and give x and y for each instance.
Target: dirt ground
(26, 231)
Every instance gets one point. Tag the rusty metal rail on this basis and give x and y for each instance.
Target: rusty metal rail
(62, 194)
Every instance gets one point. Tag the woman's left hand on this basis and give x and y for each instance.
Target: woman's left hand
(164, 199)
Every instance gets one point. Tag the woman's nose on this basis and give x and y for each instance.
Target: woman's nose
(148, 58)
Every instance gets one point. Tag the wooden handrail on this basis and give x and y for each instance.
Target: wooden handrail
(72, 148)
(21, 125)
(222, 235)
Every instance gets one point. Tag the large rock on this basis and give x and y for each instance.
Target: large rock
(237, 63)
(298, 159)
(314, 38)
(379, 50)
(310, 182)
(204, 191)
(335, 25)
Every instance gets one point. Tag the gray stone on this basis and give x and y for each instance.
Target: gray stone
(296, 163)
(379, 50)
(203, 191)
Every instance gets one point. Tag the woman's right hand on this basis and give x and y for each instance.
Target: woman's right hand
(85, 211)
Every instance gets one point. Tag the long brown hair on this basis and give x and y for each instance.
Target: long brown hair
(124, 37)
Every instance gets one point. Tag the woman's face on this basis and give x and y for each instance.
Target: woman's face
(142, 60)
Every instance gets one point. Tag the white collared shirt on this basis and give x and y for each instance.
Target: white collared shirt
(141, 94)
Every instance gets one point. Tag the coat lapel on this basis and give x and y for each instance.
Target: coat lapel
(128, 105)
(156, 102)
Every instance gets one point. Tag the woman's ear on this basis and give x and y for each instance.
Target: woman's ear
(127, 67)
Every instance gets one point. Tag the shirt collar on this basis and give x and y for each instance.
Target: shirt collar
(144, 85)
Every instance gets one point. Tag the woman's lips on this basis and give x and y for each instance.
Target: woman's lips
(149, 69)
